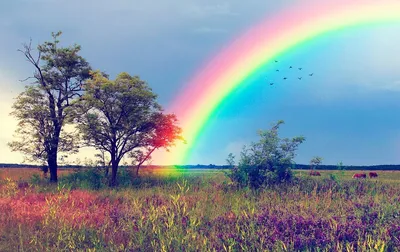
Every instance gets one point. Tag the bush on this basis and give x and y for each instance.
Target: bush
(84, 179)
(268, 161)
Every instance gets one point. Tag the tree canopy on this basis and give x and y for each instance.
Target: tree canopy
(122, 115)
(47, 104)
(268, 160)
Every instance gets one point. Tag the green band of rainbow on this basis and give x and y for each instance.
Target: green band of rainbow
(261, 44)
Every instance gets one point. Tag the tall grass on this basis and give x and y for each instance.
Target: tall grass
(200, 212)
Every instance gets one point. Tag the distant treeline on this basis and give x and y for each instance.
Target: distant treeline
(304, 167)
(212, 166)
(37, 166)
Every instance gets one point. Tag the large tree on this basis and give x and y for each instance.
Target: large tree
(119, 116)
(47, 104)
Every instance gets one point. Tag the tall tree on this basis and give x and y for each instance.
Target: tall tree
(59, 73)
(119, 116)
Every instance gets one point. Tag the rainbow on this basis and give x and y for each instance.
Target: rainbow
(288, 29)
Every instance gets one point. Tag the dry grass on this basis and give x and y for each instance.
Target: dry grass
(26, 173)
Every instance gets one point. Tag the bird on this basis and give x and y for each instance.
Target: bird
(271, 83)
(300, 68)
(276, 61)
(290, 67)
(300, 78)
(311, 74)
(277, 70)
(285, 78)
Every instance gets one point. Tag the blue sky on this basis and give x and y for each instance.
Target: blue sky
(348, 111)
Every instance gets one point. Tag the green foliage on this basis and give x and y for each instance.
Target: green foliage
(89, 178)
(267, 161)
(47, 104)
(35, 179)
(231, 160)
(334, 177)
(121, 116)
(315, 162)
(35, 127)
(342, 168)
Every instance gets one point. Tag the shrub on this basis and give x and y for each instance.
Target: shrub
(84, 179)
(268, 161)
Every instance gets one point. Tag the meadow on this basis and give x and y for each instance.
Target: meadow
(198, 211)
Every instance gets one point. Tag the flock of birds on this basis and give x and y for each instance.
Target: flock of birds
(291, 67)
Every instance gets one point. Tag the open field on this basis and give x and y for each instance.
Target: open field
(383, 176)
(201, 211)
(26, 173)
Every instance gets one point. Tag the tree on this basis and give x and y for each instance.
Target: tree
(47, 105)
(164, 135)
(231, 160)
(34, 128)
(315, 162)
(266, 161)
(103, 161)
(120, 116)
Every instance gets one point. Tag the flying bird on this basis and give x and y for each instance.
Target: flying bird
(277, 70)
(285, 78)
(300, 68)
(271, 83)
(311, 74)
(290, 67)
(300, 78)
(276, 61)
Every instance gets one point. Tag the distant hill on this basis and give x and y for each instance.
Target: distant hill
(212, 166)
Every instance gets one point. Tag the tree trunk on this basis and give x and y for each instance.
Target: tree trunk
(144, 160)
(137, 170)
(52, 162)
(107, 168)
(114, 169)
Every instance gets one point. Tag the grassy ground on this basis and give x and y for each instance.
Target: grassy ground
(201, 211)
(26, 173)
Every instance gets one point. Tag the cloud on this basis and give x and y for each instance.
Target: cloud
(385, 86)
(205, 30)
(201, 11)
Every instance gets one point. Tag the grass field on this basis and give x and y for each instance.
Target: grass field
(200, 211)
(26, 173)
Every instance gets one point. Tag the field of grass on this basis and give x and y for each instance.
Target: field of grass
(200, 211)
(26, 173)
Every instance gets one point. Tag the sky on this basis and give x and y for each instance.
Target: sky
(348, 111)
